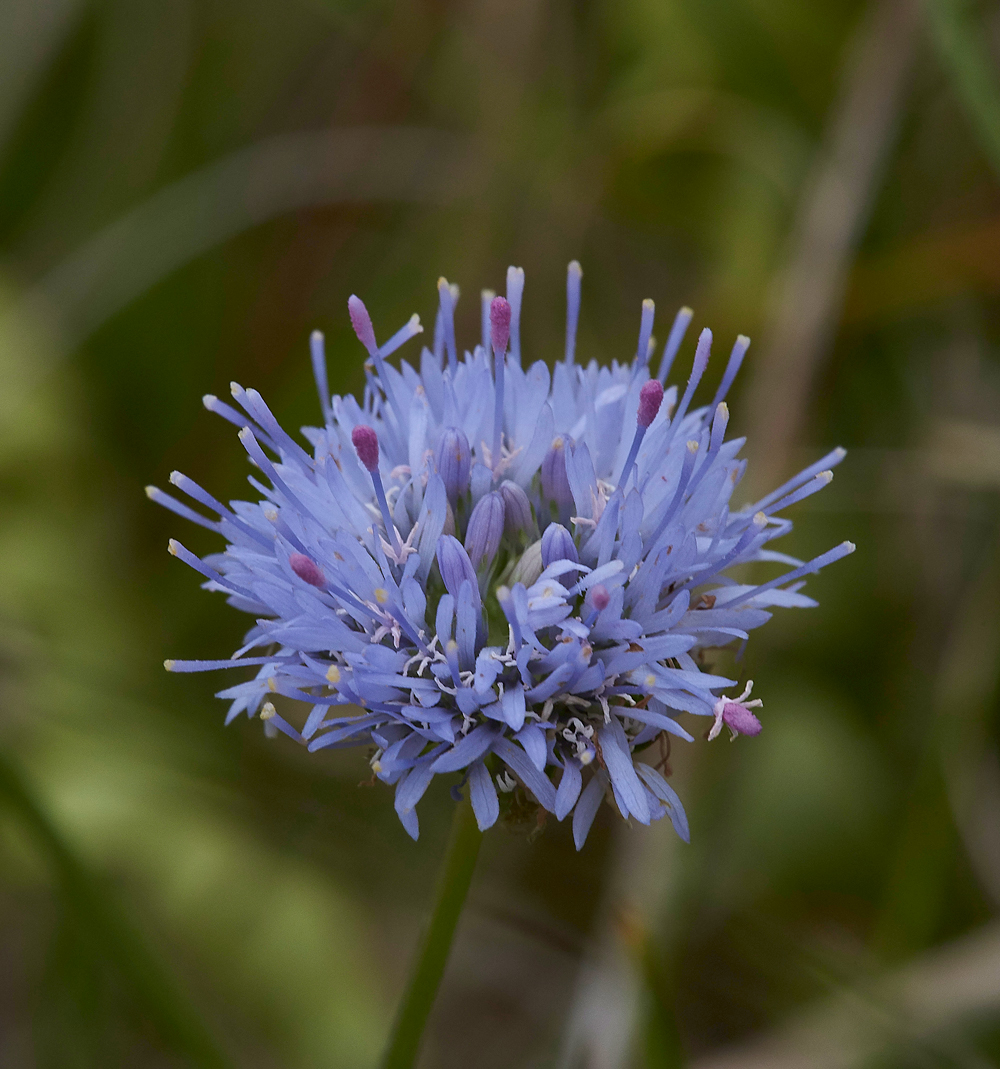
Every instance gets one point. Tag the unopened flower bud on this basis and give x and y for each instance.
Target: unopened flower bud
(558, 544)
(517, 509)
(452, 457)
(555, 484)
(449, 520)
(362, 323)
(499, 324)
(650, 397)
(454, 564)
(307, 569)
(529, 567)
(480, 480)
(482, 537)
(366, 443)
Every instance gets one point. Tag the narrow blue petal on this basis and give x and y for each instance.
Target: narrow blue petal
(513, 707)
(587, 806)
(485, 803)
(675, 810)
(537, 782)
(569, 788)
(532, 738)
(467, 749)
(618, 759)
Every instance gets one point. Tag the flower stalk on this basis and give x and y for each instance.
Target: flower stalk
(435, 945)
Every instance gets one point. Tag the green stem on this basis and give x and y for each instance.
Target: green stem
(435, 945)
(154, 989)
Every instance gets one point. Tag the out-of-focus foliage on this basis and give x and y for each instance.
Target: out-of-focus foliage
(186, 190)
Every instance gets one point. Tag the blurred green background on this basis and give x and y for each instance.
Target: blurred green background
(186, 191)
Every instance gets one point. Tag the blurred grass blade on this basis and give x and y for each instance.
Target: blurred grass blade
(249, 187)
(961, 41)
(148, 981)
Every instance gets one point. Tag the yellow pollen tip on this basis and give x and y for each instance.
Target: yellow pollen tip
(376, 766)
(723, 409)
(452, 645)
(759, 519)
(693, 446)
(826, 476)
(150, 492)
(586, 757)
(651, 680)
(168, 664)
(172, 546)
(235, 388)
(333, 674)
(267, 710)
(272, 685)
(649, 304)
(415, 322)
(381, 595)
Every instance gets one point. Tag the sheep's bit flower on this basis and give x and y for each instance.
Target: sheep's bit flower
(501, 572)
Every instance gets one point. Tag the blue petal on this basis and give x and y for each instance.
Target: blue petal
(532, 738)
(467, 749)
(537, 782)
(618, 759)
(569, 788)
(485, 803)
(587, 806)
(513, 707)
(659, 786)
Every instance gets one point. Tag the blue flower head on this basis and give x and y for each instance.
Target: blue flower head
(500, 573)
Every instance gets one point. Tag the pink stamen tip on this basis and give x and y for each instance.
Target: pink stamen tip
(599, 597)
(738, 717)
(362, 322)
(650, 397)
(307, 569)
(366, 443)
(499, 324)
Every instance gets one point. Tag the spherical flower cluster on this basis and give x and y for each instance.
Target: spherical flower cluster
(499, 573)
